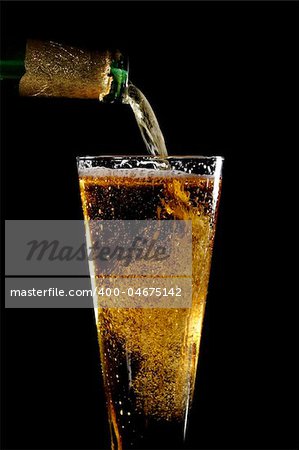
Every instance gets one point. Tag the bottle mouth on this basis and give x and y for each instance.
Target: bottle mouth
(119, 73)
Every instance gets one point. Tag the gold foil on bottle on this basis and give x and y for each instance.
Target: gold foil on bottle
(56, 70)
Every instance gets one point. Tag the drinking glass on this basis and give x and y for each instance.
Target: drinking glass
(149, 347)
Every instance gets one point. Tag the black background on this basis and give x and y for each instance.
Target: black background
(220, 77)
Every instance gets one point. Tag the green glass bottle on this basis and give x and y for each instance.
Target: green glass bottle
(51, 69)
(12, 69)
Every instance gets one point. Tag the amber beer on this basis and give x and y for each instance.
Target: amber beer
(149, 355)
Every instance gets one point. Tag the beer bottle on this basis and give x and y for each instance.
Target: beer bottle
(51, 69)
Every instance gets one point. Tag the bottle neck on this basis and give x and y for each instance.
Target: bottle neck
(68, 72)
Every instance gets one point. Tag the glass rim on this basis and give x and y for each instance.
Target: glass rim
(150, 157)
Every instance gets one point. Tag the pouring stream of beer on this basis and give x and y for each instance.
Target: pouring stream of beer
(147, 122)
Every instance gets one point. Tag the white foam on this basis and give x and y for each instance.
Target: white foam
(104, 172)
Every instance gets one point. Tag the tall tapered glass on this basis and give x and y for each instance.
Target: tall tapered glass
(149, 351)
